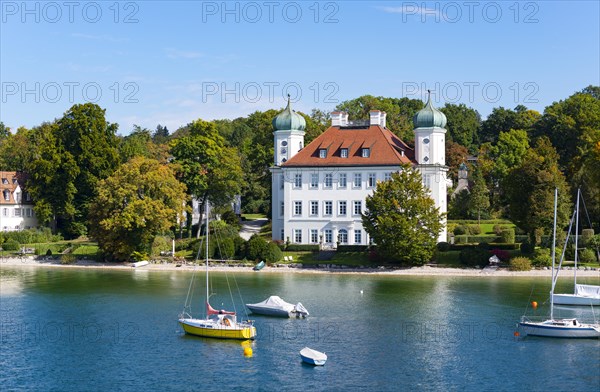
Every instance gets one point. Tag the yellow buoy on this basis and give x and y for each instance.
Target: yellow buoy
(534, 304)
(247, 351)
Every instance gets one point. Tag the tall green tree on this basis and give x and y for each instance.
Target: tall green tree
(139, 201)
(85, 134)
(463, 124)
(529, 190)
(52, 173)
(4, 131)
(15, 150)
(479, 200)
(503, 120)
(573, 126)
(210, 170)
(403, 219)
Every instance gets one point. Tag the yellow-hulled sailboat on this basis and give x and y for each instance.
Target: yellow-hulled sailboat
(220, 324)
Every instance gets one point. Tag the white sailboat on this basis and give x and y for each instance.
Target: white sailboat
(558, 328)
(217, 323)
(583, 294)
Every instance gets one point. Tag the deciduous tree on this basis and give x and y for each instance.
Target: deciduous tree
(402, 219)
(140, 200)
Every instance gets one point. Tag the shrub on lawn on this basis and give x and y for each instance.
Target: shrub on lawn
(587, 256)
(542, 257)
(11, 245)
(520, 264)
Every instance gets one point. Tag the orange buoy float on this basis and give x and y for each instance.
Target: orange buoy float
(534, 304)
(517, 334)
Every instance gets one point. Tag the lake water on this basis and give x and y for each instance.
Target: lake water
(99, 330)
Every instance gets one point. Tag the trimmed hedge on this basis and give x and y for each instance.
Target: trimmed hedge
(472, 239)
(352, 248)
(301, 248)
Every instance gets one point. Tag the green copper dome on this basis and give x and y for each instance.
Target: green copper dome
(289, 120)
(429, 117)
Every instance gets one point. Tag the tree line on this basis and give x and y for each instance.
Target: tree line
(86, 179)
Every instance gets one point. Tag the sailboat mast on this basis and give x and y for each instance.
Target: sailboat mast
(206, 253)
(553, 256)
(576, 234)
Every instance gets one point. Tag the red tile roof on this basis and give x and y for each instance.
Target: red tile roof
(385, 148)
(9, 182)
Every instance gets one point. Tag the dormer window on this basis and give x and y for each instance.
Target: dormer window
(6, 195)
(366, 152)
(344, 153)
(322, 153)
(14, 180)
(5, 181)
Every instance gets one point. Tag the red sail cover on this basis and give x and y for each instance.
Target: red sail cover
(210, 310)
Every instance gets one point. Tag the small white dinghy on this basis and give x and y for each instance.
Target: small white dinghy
(313, 357)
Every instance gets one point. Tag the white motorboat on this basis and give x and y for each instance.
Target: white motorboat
(275, 306)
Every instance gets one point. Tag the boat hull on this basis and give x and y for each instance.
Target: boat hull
(575, 300)
(268, 311)
(559, 330)
(212, 330)
(313, 357)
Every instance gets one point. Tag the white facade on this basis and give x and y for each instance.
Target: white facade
(323, 205)
(318, 198)
(16, 206)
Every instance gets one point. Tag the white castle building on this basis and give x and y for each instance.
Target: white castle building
(319, 190)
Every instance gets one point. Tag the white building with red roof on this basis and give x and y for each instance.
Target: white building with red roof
(319, 190)
(16, 206)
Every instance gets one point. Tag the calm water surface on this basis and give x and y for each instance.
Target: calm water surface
(92, 330)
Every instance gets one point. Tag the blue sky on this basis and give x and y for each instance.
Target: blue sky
(151, 62)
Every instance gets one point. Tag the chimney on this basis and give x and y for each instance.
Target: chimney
(382, 119)
(344, 119)
(339, 119)
(375, 117)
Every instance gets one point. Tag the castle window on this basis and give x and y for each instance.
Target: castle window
(387, 176)
(327, 208)
(357, 207)
(342, 208)
(328, 236)
(328, 180)
(342, 181)
(298, 236)
(372, 180)
(366, 152)
(298, 181)
(358, 236)
(314, 208)
(343, 236)
(322, 153)
(344, 153)
(357, 180)
(298, 208)
(314, 236)
(314, 180)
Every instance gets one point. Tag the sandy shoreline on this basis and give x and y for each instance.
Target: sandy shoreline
(424, 270)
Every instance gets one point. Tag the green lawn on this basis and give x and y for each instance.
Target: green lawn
(253, 216)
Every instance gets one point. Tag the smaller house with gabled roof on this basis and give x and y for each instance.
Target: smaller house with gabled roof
(16, 206)
(319, 190)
